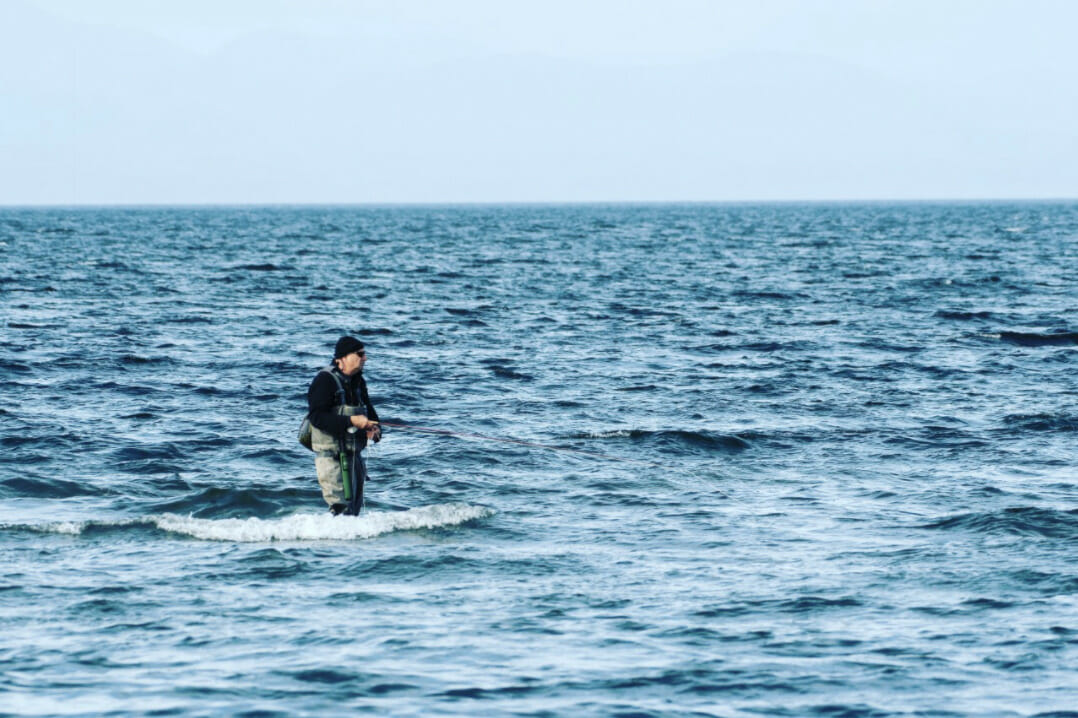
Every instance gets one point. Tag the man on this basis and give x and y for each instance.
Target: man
(342, 421)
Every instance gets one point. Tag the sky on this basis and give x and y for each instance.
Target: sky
(356, 101)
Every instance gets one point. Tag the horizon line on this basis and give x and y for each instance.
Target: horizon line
(522, 203)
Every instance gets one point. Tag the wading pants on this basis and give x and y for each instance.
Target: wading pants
(330, 478)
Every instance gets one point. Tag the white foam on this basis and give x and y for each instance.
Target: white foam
(69, 528)
(321, 526)
(72, 528)
(617, 434)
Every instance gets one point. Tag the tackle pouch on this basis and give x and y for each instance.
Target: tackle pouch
(304, 435)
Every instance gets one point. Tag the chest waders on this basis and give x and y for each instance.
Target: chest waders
(338, 459)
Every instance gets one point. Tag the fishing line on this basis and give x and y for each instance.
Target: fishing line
(518, 442)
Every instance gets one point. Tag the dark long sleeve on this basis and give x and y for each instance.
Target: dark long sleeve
(371, 413)
(322, 403)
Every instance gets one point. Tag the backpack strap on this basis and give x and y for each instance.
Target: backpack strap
(341, 394)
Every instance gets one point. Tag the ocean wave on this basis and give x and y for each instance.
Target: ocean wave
(1042, 422)
(1035, 339)
(1017, 521)
(964, 316)
(43, 487)
(673, 438)
(616, 434)
(298, 527)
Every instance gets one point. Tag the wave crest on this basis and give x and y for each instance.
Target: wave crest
(297, 527)
(321, 527)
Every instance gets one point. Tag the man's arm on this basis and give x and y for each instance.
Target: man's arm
(322, 403)
(366, 399)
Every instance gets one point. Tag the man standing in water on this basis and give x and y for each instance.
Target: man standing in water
(342, 421)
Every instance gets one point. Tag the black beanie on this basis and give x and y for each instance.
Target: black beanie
(345, 346)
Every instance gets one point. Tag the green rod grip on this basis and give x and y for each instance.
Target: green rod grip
(344, 477)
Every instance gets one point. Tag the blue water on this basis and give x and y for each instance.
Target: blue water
(840, 482)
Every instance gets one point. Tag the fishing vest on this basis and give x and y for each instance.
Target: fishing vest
(322, 442)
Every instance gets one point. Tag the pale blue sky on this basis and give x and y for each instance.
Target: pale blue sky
(347, 101)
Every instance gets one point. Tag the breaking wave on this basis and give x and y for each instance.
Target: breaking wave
(297, 527)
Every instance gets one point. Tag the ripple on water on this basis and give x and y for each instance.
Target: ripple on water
(843, 439)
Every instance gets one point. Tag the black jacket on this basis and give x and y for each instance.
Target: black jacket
(322, 402)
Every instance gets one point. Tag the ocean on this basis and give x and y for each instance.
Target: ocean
(769, 460)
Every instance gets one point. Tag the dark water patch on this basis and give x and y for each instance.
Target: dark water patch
(748, 294)
(17, 440)
(14, 367)
(618, 308)
(883, 345)
(129, 389)
(1046, 584)
(324, 675)
(204, 390)
(119, 589)
(47, 289)
(54, 487)
(801, 604)
(812, 604)
(641, 387)
(963, 316)
(506, 373)
(269, 564)
(710, 347)
(505, 370)
(768, 347)
(95, 607)
(158, 452)
(859, 710)
(791, 439)
(1034, 339)
(988, 604)
(1017, 521)
(267, 267)
(218, 502)
(944, 437)
(768, 388)
(1041, 422)
(476, 693)
(272, 455)
(383, 689)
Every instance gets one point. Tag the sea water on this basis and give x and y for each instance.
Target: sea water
(802, 460)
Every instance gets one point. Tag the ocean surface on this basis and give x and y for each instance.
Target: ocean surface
(795, 460)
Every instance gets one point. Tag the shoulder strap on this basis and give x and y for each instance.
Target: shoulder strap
(341, 395)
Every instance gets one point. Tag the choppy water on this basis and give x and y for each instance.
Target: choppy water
(860, 424)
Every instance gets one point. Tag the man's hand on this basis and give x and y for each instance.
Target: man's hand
(361, 422)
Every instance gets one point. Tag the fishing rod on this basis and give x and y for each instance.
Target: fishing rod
(518, 442)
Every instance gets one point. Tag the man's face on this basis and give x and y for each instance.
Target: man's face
(351, 363)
